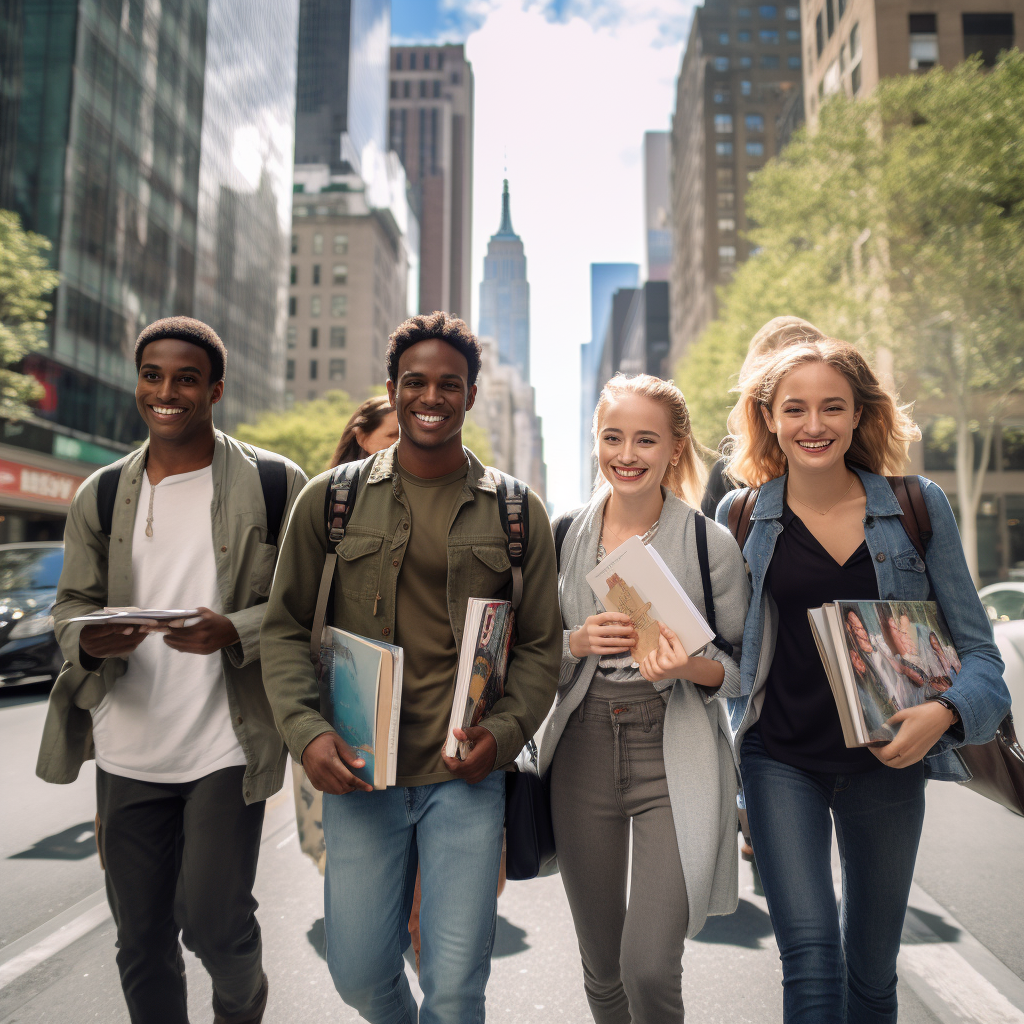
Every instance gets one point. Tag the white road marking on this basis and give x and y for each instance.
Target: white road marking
(288, 838)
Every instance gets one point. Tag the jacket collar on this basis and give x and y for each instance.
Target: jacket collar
(136, 461)
(385, 467)
(880, 498)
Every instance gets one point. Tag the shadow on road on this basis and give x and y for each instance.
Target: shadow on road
(75, 843)
(318, 938)
(745, 928)
(944, 932)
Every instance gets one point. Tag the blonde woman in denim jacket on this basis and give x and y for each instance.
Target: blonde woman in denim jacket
(817, 434)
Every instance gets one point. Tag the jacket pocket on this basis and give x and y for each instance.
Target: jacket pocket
(909, 561)
(263, 569)
(359, 564)
(488, 571)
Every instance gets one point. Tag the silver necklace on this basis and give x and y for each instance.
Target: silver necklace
(149, 518)
(832, 506)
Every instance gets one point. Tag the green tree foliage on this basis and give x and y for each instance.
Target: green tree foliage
(897, 225)
(25, 281)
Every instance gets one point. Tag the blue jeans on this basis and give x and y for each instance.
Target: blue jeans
(374, 841)
(837, 968)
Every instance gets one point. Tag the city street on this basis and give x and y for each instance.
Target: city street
(962, 959)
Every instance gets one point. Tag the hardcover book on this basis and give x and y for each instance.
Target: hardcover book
(881, 657)
(635, 580)
(362, 684)
(483, 667)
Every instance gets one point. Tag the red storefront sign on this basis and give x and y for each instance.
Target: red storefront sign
(31, 482)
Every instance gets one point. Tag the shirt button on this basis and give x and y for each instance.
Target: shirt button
(386, 631)
(127, 501)
(395, 563)
(238, 719)
(405, 526)
(223, 549)
(248, 794)
(880, 557)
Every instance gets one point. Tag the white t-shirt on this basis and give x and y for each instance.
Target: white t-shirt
(167, 718)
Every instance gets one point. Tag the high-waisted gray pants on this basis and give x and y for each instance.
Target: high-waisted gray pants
(608, 768)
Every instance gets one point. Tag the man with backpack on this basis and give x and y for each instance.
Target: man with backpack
(176, 716)
(408, 536)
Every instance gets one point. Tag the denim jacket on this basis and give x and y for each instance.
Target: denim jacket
(979, 693)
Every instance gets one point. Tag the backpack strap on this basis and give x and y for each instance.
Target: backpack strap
(915, 519)
(339, 501)
(106, 494)
(273, 472)
(560, 527)
(514, 510)
(740, 511)
(700, 526)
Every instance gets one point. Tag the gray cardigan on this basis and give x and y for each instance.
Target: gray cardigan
(699, 765)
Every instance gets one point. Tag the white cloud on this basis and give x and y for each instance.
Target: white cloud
(566, 89)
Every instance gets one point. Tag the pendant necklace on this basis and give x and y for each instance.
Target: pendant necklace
(829, 509)
(149, 518)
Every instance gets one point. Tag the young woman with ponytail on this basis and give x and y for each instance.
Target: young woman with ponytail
(817, 433)
(645, 745)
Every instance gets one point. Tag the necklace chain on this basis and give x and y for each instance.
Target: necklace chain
(149, 518)
(832, 506)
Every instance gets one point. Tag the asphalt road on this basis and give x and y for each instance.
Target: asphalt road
(962, 957)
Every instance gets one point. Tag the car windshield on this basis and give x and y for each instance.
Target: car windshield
(30, 568)
(1004, 604)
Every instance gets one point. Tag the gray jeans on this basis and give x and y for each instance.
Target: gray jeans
(608, 769)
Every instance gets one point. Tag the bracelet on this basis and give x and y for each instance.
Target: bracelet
(949, 706)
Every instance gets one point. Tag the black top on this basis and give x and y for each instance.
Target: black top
(799, 723)
(718, 486)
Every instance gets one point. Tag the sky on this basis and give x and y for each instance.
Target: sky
(565, 90)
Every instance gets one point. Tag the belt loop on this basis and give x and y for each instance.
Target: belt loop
(646, 712)
(583, 709)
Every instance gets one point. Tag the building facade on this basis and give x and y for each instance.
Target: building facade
(657, 205)
(431, 130)
(349, 270)
(505, 293)
(741, 66)
(849, 45)
(152, 147)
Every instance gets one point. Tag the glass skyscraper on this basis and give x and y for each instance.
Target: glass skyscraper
(154, 149)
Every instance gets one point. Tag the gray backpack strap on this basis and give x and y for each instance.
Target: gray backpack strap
(514, 510)
(338, 504)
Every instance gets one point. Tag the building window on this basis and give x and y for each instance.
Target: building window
(293, 277)
(727, 255)
(744, 12)
(723, 123)
(831, 81)
(312, 369)
(754, 122)
(769, 36)
(842, 8)
(722, 96)
(291, 338)
(726, 224)
(768, 11)
(723, 149)
(987, 34)
(423, 89)
(318, 244)
(770, 61)
(337, 337)
(721, 63)
(289, 370)
(924, 42)
(337, 369)
(340, 245)
(819, 32)
(295, 244)
(394, 89)
(440, 61)
(406, 89)
(855, 80)
(792, 14)
(745, 88)
(746, 62)
(755, 149)
(724, 177)
(314, 305)
(437, 89)
(412, 61)
(723, 38)
(830, 17)
(793, 61)
(339, 305)
(855, 42)
(726, 200)
(316, 273)
(426, 62)
(456, 78)
(792, 35)
(398, 61)
(842, 58)
(292, 305)
(340, 274)
(314, 337)
(743, 37)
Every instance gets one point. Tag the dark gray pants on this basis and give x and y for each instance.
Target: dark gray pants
(608, 769)
(182, 857)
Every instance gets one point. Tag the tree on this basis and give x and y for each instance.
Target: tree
(25, 281)
(898, 225)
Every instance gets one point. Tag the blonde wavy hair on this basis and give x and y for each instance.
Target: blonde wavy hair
(687, 478)
(881, 439)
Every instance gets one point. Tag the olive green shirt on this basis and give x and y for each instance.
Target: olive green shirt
(371, 557)
(423, 629)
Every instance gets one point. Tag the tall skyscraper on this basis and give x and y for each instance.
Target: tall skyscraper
(741, 66)
(431, 130)
(355, 239)
(657, 206)
(151, 143)
(505, 293)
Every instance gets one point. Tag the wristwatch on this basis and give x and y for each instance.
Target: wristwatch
(947, 703)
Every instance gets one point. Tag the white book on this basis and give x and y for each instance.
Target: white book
(635, 580)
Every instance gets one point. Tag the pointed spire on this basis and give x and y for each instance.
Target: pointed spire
(506, 214)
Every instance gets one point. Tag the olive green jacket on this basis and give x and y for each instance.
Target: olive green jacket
(98, 573)
(369, 563)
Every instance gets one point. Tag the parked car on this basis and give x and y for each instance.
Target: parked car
(1010, 641)
(1003, 601)
(28, 587)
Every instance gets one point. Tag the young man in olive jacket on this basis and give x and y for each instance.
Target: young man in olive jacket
(424, 536)
(184, 739)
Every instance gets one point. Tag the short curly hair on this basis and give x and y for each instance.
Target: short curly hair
(442, 326)
(185, 328)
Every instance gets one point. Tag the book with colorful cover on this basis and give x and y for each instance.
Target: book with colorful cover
(634, 579)
(881, 657)
(362, 682)
(483, 667)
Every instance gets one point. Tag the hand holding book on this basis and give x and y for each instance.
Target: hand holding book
(327, 760)
(607, 633)
(920, 728)
(479, 762)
